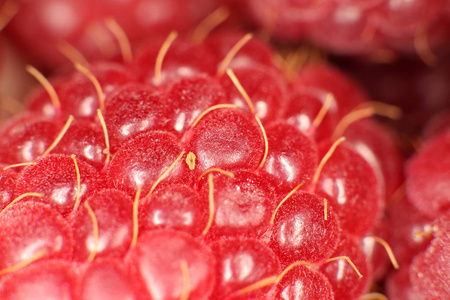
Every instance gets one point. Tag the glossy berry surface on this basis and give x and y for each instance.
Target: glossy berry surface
(160, 267)
(304, 283)
(433, 282)
(78, 95)
(174, 206)
(243, 205)
(171, 183)
(350, 184)
(408, 222)
(349, 27)
(264, 87)
(55, 176)
(240, 263)
(302, 107)
(188, 97)
(41, 231)
(345, 91)
(82, 24)
(292, 157)
(228, 139)
(48, 279)
(344, 280)
(106, 279)
(26, 139)
(379, 148)
(300, 231)
(183, 59)
(398, 285)
(113, 212)
(253, 52)
(7, 185)
(131, 110)
(428, 176)
(86, 140)
(141, 160)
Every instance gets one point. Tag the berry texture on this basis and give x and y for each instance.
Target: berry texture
(428, 183)
(170, 178)
(422, 232)
(82, 24)
(354, 27)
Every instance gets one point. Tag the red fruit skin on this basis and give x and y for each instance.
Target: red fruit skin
(345, 91)
(106, 279)
(80, 97)
(303, 106)
(113, 212)
(39, 102)
(428, 176)
(287, 20)
(300, 231)
(55, 177)
(30, 227)
(39, 26)
(343, 278)
(132, 109)
(153, 17)
(292, 157)
(365, 4)
(228, 139)
(137, 154)
(77, 94)
(157, 258)
(304, 283)
(7, 186)
(240, 263)
(264, 86)
(188, 97)
(243, 205)
(46, 279)
(175, 206)
(429, 272)
(86, 140)
(52, 21)
(351, 187)
(405, 221)
(378, 146)
(376, 255)
(141, 160)
(255, 51)
(26, 138)
(351, 27)
(398, 285)
(405, 18)
(347, 30)
(183, 59)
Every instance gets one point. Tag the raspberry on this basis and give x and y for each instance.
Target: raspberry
(187, 173)
(81, 24)
(353, 27)
(421, 237)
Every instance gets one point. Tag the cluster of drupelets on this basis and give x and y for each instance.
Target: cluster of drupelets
(421, 222)
(209, 168)
(377, 27)
(196, 171)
